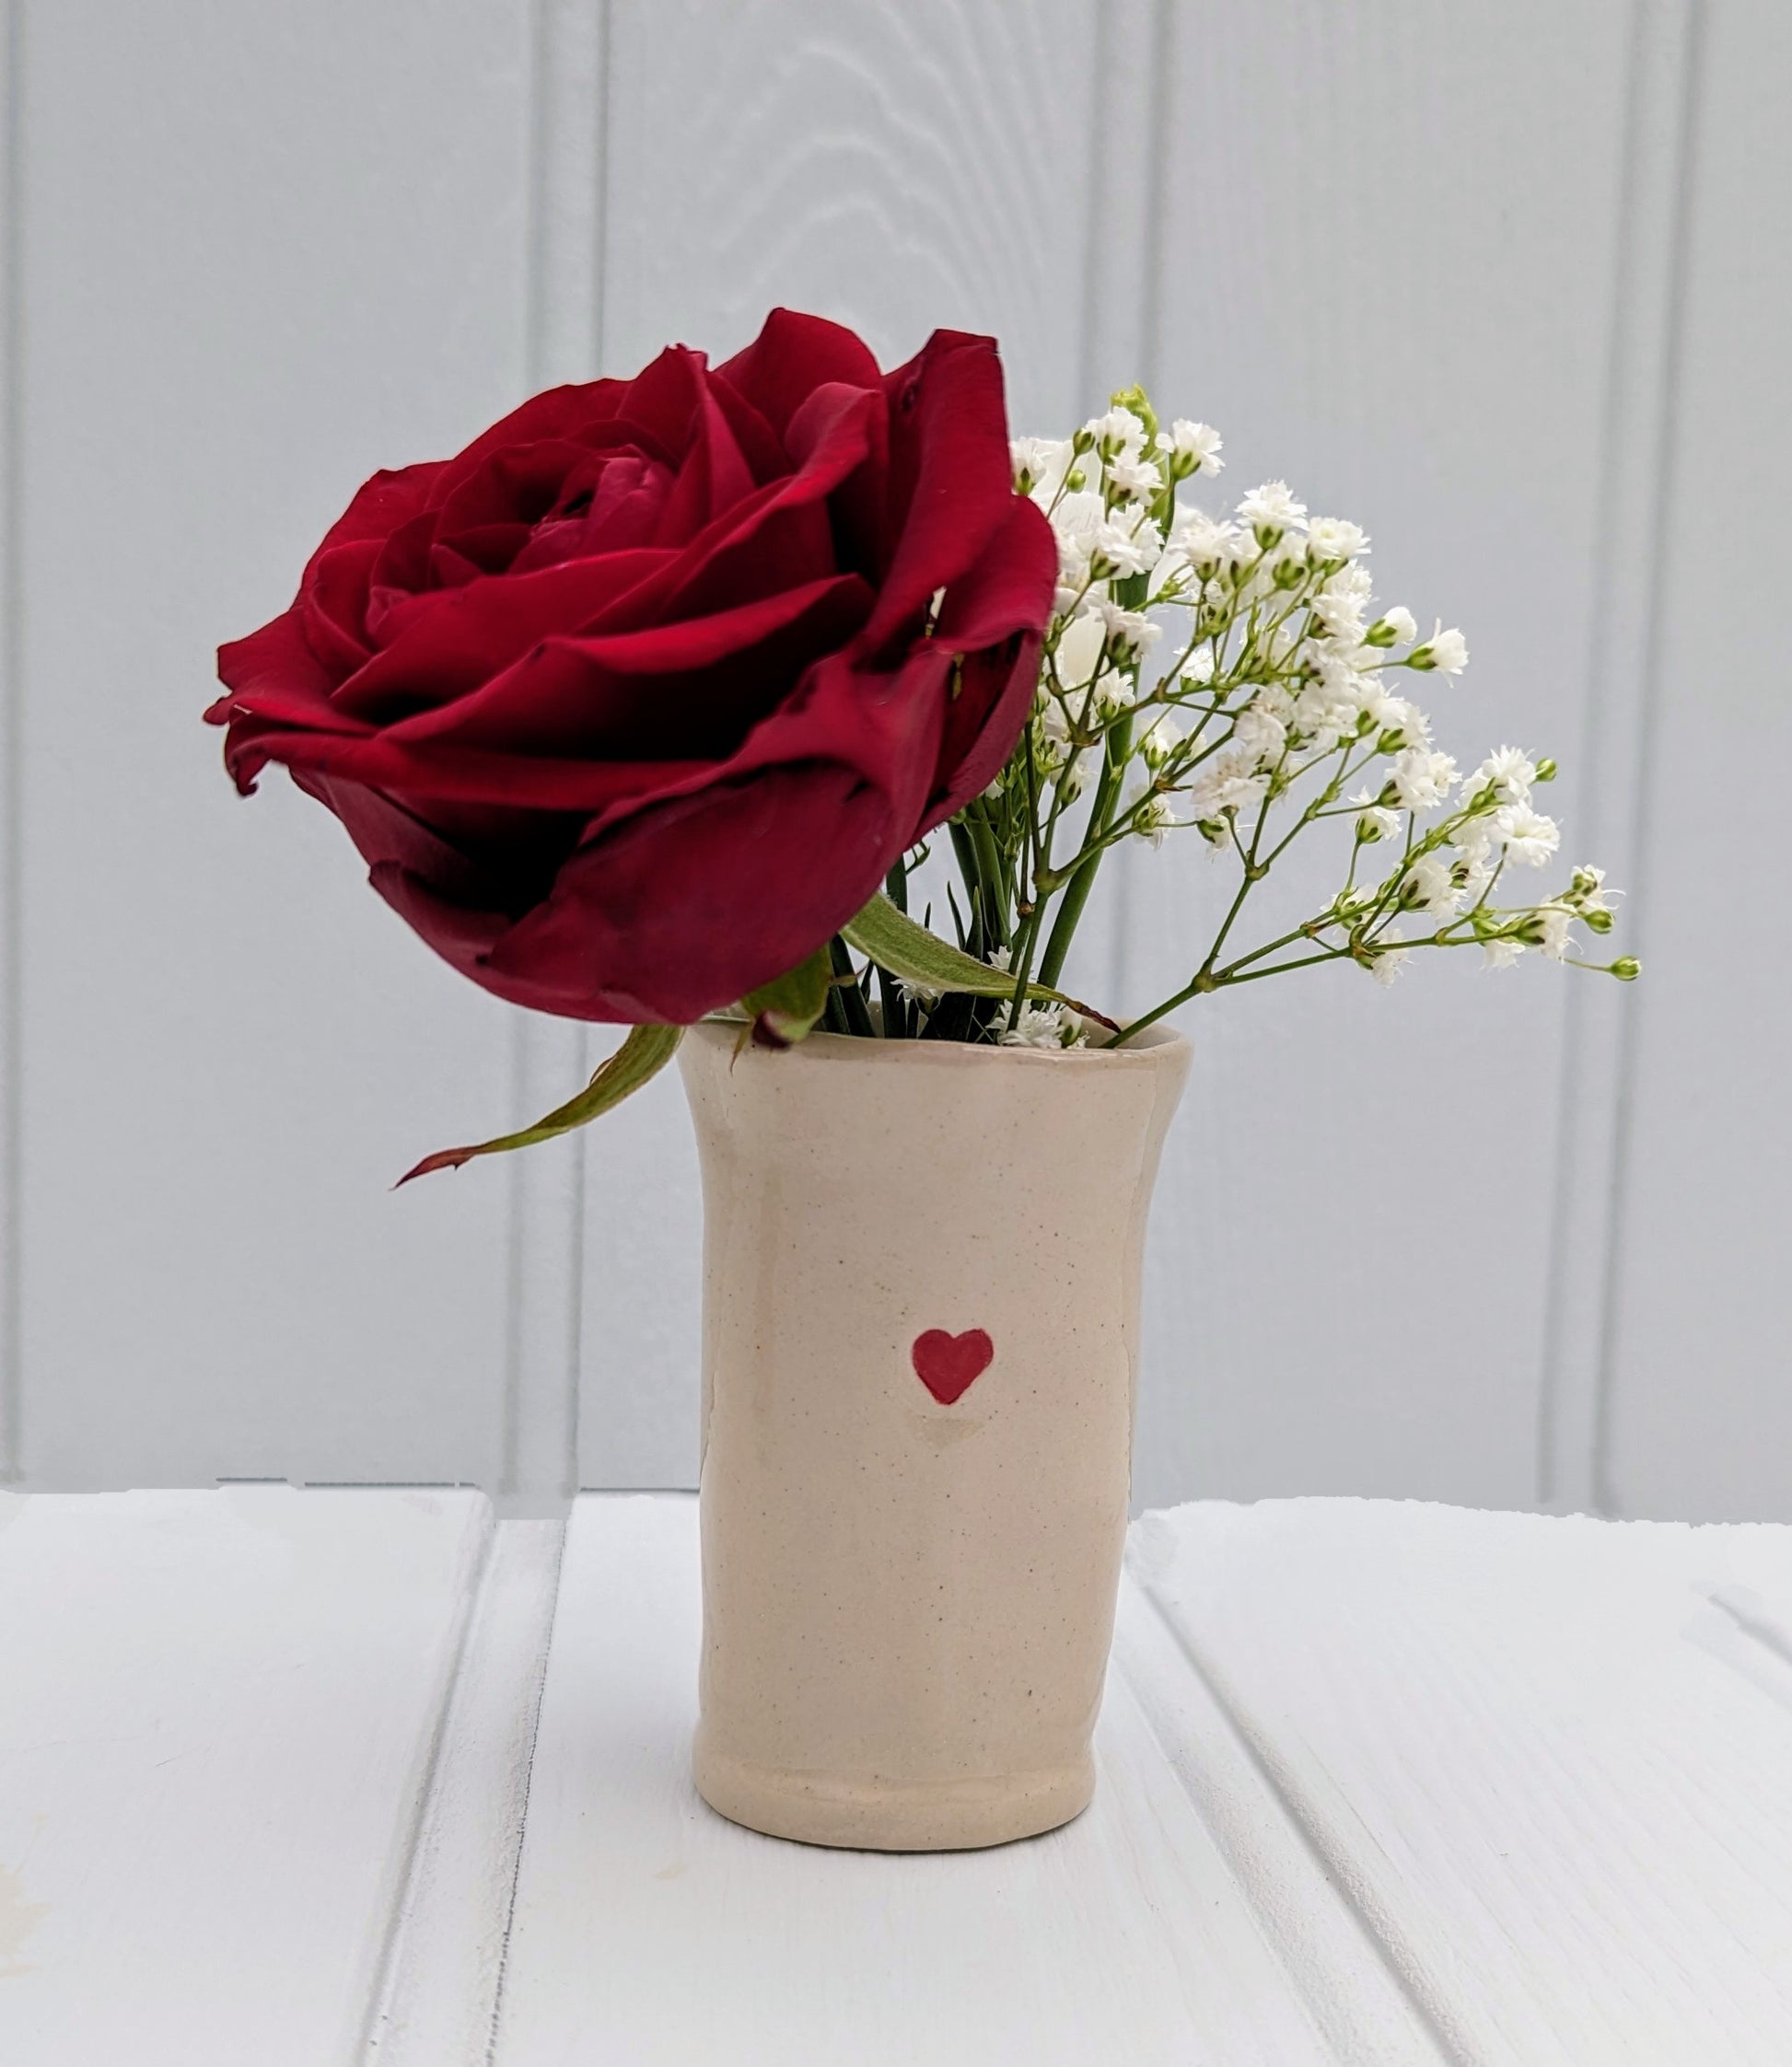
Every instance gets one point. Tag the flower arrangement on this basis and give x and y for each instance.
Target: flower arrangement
(648, 706)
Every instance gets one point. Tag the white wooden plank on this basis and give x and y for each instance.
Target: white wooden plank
(1700, 1416)
(648, 1929)
(1389, 248)
(216, 1714)
(264, 250)
(1550, 1760)
(1356, 1995)
(439, 1991)
(899, 164)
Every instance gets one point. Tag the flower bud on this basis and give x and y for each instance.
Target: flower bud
(1626, 968)
(1135, 399)
(1545, 772)
(1598, 920)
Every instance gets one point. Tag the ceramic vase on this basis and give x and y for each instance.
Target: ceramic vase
(921, 1295)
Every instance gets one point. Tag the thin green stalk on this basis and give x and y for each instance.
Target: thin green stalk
(964, 851)
(989, 865)
(857, 1012)
(1076, 893)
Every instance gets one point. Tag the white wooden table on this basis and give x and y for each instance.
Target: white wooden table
(327, 1776)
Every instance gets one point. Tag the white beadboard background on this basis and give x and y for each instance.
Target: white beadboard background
(1512, 286)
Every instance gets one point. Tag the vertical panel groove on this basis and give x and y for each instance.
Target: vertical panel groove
(1123, 268)
(12, 324)
(600, 169)
(1637, 494)
(1691, 79)
(539, 1462)
(1151, 297)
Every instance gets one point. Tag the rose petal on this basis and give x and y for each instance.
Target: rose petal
(793, 355)
(586, 698)
(689, 905)
(950, 488)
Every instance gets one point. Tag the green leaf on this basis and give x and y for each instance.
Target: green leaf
(892, 940)
(785, 1012)
(643, 1053)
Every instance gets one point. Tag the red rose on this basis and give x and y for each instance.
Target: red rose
(633, 704)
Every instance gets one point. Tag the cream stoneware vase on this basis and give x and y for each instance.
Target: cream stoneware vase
(921, 1294)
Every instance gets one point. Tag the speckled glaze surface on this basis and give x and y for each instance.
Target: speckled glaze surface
(911, 1555)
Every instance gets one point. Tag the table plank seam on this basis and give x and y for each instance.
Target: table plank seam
(417, 1820)
(528, 1782)
(1431, 2030)
(439, 2001)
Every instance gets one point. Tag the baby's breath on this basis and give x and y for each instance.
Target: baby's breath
(1231, 674)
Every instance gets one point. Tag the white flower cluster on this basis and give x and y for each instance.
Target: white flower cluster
(1233, 674)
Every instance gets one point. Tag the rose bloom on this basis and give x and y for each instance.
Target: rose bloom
(633, 704)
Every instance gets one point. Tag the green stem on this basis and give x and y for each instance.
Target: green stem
(1076, 896)
(857, 1012)
(989, 865)
(964, 851)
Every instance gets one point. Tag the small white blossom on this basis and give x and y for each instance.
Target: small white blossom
(1447, 651)
(1042, 463)
(1042, 1025)
(1341, 616)
(1000, 958)
(1113, 689)
(1118, 435)
(1261, 733)
(1197, 442)
(1430, 886)
(1138, 479)
(1129, 631)
(1352, 580)
(1387, 713)
(1127, 542)
(1509, 772)
(1204, 542)
(1389, 958)
(1530, 837)
(1400, 621)
(1074, 779)
(1230, 782)
(1588, 891)
(1075, 523)
(1152, 820)
(1160, 739)
(1422, 779)
(1272, 507)
(1475, 838)
(1336, 538)
(918, 994)
(1407, 719)
(1322, 717)
(1554, 919)
(1501, 953)
(1375, 821)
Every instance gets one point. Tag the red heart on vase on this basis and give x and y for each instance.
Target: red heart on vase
(946, 1364)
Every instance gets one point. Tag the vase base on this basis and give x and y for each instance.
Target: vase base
(874, 1815)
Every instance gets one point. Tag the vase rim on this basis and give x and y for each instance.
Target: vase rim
(1152, 1048)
